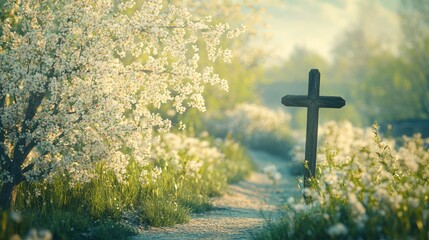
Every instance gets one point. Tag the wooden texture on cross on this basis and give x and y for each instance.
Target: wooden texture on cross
(313, 101)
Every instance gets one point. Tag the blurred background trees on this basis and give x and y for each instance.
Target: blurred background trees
(380, 81)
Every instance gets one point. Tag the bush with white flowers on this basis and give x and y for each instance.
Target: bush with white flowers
(257, 127)
(187, 155)
(365, 187)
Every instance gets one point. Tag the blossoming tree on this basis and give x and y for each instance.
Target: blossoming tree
(68, 98)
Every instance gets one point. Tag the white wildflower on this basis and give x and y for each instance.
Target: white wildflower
(272, 173)
(338, 229)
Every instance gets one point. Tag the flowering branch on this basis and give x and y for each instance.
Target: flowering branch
(67, 100)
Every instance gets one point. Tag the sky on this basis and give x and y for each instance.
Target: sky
(318, 24)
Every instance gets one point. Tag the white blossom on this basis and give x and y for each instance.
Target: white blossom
(81, 81)
(186, 154)
(337, 230)
(272, 173)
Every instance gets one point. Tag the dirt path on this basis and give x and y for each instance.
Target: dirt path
(242, 211)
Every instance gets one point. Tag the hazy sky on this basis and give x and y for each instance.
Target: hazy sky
(317, 24)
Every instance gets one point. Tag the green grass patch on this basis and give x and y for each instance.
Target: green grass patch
(180, 178)
(163, 211)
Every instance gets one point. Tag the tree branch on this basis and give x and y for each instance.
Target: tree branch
(2, 105)
(27, 168)
(30, 166)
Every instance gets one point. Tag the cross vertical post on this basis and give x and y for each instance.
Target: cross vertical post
(313, 101)
(312, 125)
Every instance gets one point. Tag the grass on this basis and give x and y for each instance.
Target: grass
(107, 208)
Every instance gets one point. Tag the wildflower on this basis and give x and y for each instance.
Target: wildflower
(358, 207)
(413, 202)
(299, 207)
(16, 217)
(337, 230)
(39, 234)
(272, 173)
(326, 217)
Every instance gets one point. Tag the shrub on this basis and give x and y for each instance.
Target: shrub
(256, 127)
(364, 189)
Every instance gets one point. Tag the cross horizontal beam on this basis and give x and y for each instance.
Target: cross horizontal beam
(321, 102)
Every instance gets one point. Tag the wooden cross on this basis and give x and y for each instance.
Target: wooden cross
(313, 102)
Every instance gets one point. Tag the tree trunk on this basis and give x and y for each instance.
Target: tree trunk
(6, 195)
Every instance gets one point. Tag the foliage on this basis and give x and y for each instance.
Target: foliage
(379, 74)
(300, 61)
(291, 77)
(187, 171)
(415, 23)
(364, 189)
(255, 126)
